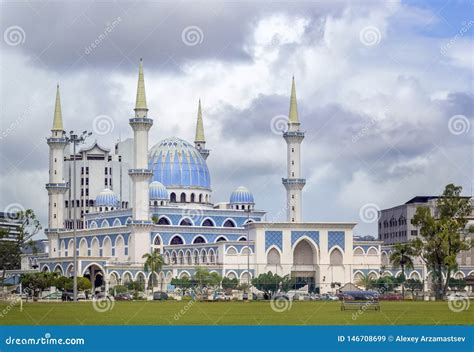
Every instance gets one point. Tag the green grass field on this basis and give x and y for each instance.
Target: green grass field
(231, 313)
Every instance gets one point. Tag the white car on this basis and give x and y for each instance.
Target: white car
(457, 296)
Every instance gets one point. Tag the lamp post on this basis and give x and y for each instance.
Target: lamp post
(75, 140)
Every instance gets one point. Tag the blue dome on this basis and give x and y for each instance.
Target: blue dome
(157, 191)
(177, 164)
(241, 195)
(106, 198)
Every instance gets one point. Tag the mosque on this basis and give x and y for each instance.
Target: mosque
(170, 211)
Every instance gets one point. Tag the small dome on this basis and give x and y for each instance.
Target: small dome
(106, 198)
(157, 191)
(241, 195)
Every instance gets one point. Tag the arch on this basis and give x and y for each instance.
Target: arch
(186, 222)
(243, 238)
(176, 240)
(70, 270)
(93, 225)
(358, 251)
(141, 278)
(189, 260)
(83, 247)
(374, 275)
(245, 277)
(45, 268)
(172, 197)
(129, 220)
(231, 274)
(184, 274)
(208, 222)
(415, 276)
(120, 247)
(113, 278)
(199, 239)
(174, 258)
(181, 257)
(212, 256)
(372, 251)
(249, 221)
(164, 220)
(459, 275)
(200, 198)
(95, 280)
(107, 247)
(273, 256)
(59, 269)
(182, 197)
(157, 240)
(196, 257)
(231, 251)
(62, 249)
(166, 258)
(358, 276)
(304, 252)
(104, 223)
(117, 223)
(203, 256)
(127, 277)
(193, 198)
(221, 239)
(246, 250)
(336, 257)
(95, 247)
(229, 223)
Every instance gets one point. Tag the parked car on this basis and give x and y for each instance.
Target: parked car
(123, 297)
(315, 297)
(160, 296)
(281, 296)
(391, 297)
(329, 297)
(69, 296)
(457, 296)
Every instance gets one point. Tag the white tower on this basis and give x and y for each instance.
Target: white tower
(200, 140)
(140, 174)
(293, 183)
(56, 186)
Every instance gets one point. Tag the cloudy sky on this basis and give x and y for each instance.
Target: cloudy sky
(384, 91)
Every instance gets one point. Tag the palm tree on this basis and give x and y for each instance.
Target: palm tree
(402, 257)
(153, 262)
(365, 281)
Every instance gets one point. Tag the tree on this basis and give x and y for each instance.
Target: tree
(11, 248)
(153, 262)
(402, 257)
(443, 236)
(182, 283)
(457, 284)
(365, 281)
(413, 285)
(229, 284)
(34, 283)
(267, 282)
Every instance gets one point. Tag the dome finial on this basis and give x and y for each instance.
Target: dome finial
(58, 117)
(140, 104)
(199, 126)
(293, 114)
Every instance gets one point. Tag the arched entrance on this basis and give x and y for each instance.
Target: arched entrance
(304, 269)
(95, 274)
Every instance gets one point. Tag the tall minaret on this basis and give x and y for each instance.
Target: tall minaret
(294, 183)
(56, 186)
(200, 140)
(140, 174)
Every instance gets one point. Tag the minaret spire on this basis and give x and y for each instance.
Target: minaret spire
(200, 140)
(293, 114)
(141, 108)
(58, 116)
(293, 183)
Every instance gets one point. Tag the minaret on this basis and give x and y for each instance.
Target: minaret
(200, 140)
(140, 174)
(56, 186)
(293, 183)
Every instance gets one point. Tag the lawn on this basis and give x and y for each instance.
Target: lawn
(231, 313)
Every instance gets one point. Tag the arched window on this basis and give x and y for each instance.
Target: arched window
(273, 257)
(203, 258)
(174, 258)
(188, 258)
(200, 198)
(183, 198)
(173, 197)
(181, 258)
(199, 239)
(358, 251)
(231, 251)
(336, 257)
(157, 241)
(211, 256)
(176, 240)
(229, 223)
(221, 239)
(207, 222)
(95, 251)
(243, 238)
(163, 221)
(196, 258)
(186, 222)
(192, 197)
(107, 247)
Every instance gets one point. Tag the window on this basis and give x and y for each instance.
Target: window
(185, 222)
(221, 239)
(87, 170)
(183, 198)
(199, 239)
(106, 182)
(292, 150)
(106, 169)
(173, 197)
(87, 191)
(163, 221)
(414, 232)
(176, 240)
(229, 223)
(208, 222)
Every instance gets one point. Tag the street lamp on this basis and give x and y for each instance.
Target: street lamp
(75, 140)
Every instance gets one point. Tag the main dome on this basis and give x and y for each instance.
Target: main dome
(177, 164)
